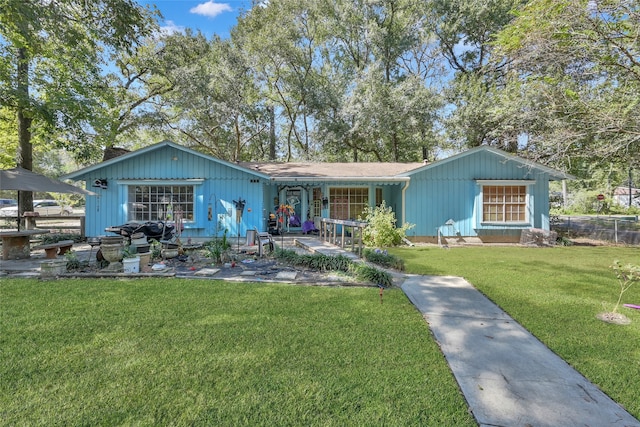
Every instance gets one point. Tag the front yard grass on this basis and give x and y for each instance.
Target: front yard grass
(556, 294)
(199, 352)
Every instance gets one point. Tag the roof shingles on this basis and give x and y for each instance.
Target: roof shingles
(331, 170)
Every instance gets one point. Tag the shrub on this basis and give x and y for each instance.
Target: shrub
(217, 249)
(58, 237)
(321, 262)
(73, 262)
(318, 262)
(384, 259)
(371, 274)
(627, 275)
(382, 230)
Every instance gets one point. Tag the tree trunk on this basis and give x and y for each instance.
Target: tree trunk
(272, 133)
(25, 149)
(236, 156)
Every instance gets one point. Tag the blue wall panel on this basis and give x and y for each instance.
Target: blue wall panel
(445, 191)
(216, 184)
(448, 191)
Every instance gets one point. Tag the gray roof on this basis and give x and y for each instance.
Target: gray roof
(332, 171)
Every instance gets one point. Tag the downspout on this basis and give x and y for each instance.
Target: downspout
(404, 215)
(404, 204)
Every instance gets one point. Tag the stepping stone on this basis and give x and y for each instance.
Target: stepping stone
(286, 275)
(207, 272)
(249, 273)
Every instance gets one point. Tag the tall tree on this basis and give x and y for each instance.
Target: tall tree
(214, 106)
(578, 63)
(464, 32)
(280, 42)
(52, 52)
(384, 102)
(143, 83)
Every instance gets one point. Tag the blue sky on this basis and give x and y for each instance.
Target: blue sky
(208, 16)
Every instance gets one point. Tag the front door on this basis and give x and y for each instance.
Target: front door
(294, 197)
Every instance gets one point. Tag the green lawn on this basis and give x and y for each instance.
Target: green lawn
(199, 352)
(556, 294)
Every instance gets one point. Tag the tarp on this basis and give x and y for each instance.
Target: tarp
(26, 180)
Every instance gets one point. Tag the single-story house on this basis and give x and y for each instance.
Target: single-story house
(482, 193)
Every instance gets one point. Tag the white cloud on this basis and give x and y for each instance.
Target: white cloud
(170, 27)
(211, 9)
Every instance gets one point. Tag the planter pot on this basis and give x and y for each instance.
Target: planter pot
(112, 252)
(142, 248)
(53, 268)
(111, 240)
(140, 241)
(169, 253)
(131, 265)
(145, 259)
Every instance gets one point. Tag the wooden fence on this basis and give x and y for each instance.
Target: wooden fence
(53, 223)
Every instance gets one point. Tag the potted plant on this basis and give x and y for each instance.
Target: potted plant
(130, 260)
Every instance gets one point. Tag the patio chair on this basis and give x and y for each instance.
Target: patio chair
(264, 239)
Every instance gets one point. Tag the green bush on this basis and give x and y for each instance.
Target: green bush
(59, 237)
(321, 262)
(218, 248)
(371, 274)
(73, 262)
(384, 259)
(381, 230)
(318, 262)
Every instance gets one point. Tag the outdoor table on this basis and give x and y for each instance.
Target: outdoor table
(15, 244)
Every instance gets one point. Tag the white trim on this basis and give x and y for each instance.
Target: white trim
(301, 180)
(505, 182)
(553, 174)
(189, 181)
(162, 144)
(515, 224)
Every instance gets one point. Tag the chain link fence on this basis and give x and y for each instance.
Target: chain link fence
(613, 229)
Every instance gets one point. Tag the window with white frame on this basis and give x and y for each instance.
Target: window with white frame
(348, 202)
(504, 203)
(160, 202)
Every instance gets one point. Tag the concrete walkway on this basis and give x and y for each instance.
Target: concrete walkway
(507, 376)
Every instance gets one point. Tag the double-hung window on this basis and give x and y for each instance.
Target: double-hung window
(504, 203)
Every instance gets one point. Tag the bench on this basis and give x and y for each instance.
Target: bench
(52, 250)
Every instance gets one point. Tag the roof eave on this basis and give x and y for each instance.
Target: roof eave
(398, 179)
(79, 173)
